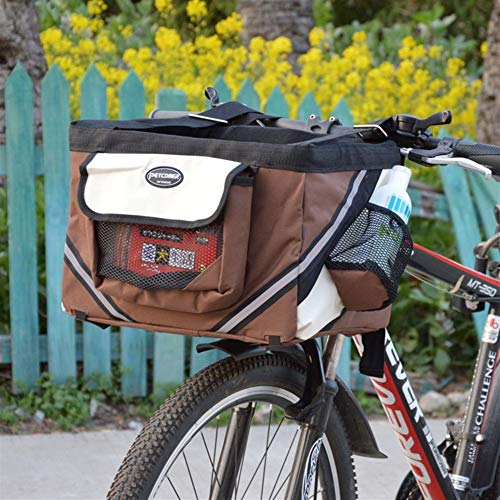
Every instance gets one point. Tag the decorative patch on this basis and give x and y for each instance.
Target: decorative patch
(153, 250)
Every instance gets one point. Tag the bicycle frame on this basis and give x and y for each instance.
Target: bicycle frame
(479, 443)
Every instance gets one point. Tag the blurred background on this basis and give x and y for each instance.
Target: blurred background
(375, 57)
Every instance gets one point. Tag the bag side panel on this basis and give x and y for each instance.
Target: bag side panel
(355, 322)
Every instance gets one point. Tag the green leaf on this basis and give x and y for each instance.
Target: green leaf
(442, 360)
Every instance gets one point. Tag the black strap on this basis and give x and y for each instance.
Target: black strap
(372, 360)
(232, 112)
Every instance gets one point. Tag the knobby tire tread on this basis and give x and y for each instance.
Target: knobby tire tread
(143, 462)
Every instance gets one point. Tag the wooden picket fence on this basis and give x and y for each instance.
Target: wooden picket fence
(169, 357)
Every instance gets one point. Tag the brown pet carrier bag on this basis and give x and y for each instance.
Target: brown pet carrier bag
(219, 227)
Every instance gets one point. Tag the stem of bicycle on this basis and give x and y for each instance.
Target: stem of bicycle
(475, 464)
(408, 422)
(311, 433)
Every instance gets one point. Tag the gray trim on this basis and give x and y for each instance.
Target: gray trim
(90, 284)
(301, 267)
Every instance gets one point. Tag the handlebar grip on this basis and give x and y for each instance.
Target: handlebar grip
(484, 154)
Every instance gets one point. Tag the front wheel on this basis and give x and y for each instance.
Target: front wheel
(192, 447)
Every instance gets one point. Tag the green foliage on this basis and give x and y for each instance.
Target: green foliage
(68, 405)
(370, 404)
(471, 15)
(429, 27)
(424, 327)
(141, 14)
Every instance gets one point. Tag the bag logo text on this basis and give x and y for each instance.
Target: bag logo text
(164, 177)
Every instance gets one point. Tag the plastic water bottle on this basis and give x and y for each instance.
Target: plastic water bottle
(392, 193)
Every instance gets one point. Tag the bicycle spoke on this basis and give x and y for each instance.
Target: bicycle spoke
(173, 487)
(265, 455)
(262, 459)
(190, 476)
(215, 452)
(282, 484)
(211, 463)
(284, 462)
(316, 481)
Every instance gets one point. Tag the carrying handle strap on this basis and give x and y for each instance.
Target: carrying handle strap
(230, 113)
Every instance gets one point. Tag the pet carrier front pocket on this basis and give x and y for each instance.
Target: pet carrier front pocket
(167, 231)
(367, 262)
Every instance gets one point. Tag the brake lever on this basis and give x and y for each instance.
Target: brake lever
(447, 159)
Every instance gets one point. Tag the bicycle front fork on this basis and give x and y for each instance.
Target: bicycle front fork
(313, 411)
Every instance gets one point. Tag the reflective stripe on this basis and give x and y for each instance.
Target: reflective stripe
(103, 300)
(300, 268)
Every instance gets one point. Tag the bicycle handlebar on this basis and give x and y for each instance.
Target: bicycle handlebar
(484, 154)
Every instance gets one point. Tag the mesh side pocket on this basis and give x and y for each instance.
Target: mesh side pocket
(378, 246)
(151, 257)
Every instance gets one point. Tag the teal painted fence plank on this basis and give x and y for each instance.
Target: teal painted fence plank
(133, 341)
(38, 160)
(169, 356)
(221, 87)
(93, 100)
(6, 343)
(55, 116)
(203, 359)
(343, 113)
(132, 100)
(464, 220)
(308, 107)
(344, 370)
(171, 100)
(168, 361)
(486, 196)
(247, 95)
(134, 361)
(428, 204)
(96, 342)
(21, 208)
(276, 104)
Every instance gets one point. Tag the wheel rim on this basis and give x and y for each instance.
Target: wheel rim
(277, 441)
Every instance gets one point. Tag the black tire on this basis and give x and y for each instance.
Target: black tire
(198, 396)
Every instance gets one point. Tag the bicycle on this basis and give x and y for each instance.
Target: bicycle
(197, 444)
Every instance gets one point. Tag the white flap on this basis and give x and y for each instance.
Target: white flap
(321, 306)
(182, 191)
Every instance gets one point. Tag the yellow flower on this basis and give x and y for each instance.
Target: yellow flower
(104, 44)
(359, 37)
(126, 31)
(316, 36)
(408, 42)
(435, 51)
(167, 39)
(229, 27)
(418, 51)
(352, 80)
(50, 37)
(78, 23)
(164, 6)
(484, 49)
(144, 53)
(96, 7)
(129, 55)
(454, 65)
(196, 10)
